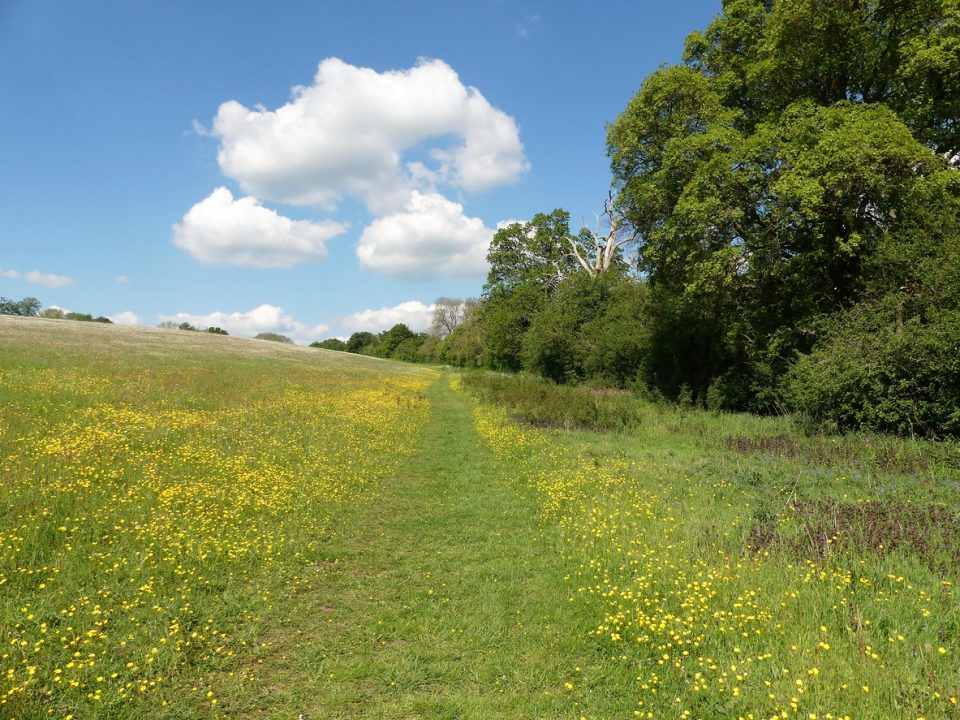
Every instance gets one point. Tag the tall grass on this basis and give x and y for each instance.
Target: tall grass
(741, 569)
(540, 403)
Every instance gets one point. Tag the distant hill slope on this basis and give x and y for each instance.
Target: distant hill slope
(24, 333)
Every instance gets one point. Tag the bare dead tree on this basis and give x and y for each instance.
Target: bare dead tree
(596, 253)
(448, 315)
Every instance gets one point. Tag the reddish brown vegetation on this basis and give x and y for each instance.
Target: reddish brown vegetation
(886, 454)
(931, 532)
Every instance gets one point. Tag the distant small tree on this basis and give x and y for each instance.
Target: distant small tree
(102, 319)
(360, 340)
(504, 320)
(187, 326)
(330, 344)
(408, 350)
(592, 328)
(28, 307)
(448, 315)
(273, 337)
(217, 331)
(82, 317)
(167, 325)
(463, 347)
(430, 347)
(53, 313)
(391, 339)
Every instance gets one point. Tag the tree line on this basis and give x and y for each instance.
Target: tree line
(397, 343)
(31, 307)
(782, 232)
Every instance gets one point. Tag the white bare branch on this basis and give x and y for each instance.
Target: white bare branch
(599, 257)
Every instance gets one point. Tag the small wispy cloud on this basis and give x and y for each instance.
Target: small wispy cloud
(527, 25)
(198, 128)
(122, 279)
(36, 277)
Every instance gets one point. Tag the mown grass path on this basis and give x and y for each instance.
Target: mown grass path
(443, 600)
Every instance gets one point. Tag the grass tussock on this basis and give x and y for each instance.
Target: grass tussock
(885, 453)
(543, 404)
(813, 528)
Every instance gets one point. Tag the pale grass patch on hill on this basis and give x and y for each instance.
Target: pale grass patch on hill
(104, 339)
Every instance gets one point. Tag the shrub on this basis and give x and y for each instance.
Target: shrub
(330, 344)
(874, 370)
(273, 337)
(591, 328)
(545, 404)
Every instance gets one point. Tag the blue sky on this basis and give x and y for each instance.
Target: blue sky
(157, 165)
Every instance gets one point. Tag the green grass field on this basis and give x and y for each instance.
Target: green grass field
(199, 526)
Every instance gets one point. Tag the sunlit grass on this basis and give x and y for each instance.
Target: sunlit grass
(657, 535)
(203, 527)
(159, 511)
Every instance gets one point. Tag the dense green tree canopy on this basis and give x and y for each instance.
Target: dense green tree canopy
(798, 162)
(330, 344)
(392, 338)
(359, 340)
(762, 56)
(532, 253)
(592, 328)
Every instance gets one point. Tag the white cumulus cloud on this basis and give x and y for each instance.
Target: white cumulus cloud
(265, 318)
(348, 132)
(430, 236)
(127, 317)
(221, 229)
(413, 313)
(36, 277)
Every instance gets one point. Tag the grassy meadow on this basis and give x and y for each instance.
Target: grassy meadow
(163, 498)
(742, 571)
(199, 526)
